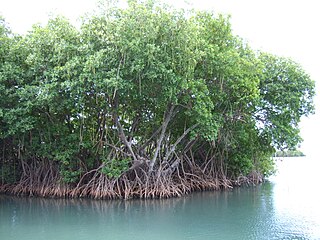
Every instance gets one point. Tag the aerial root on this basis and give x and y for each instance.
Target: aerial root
(43, 180)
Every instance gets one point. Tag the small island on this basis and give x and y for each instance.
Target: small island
(147, 101)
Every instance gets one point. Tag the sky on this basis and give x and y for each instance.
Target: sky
(288, 28)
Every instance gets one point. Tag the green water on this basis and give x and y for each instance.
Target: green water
(285, 208)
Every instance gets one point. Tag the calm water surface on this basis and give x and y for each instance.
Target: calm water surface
(287, 207)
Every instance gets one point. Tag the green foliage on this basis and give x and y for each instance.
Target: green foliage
(69, 175)
(266, 166)
(286, 93)
(115, 167)
(140, 84)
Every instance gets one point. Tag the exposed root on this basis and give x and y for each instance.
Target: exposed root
(253, 178)
(41, 178)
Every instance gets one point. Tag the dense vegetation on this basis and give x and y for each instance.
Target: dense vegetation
(144, 101)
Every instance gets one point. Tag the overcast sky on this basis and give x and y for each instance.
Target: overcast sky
(287, 28)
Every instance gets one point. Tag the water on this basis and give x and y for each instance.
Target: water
(287, 207)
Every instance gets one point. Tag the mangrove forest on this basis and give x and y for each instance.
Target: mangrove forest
(142, 101)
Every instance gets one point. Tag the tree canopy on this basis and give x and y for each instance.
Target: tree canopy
(143, 101)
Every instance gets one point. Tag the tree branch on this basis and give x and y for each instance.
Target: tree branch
(173, 147)
(167, 118)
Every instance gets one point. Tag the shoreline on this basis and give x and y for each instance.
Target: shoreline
(124, 189)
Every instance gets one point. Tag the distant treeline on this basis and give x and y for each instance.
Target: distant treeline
(292, 153)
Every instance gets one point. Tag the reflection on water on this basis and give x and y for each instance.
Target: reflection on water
(284, 208)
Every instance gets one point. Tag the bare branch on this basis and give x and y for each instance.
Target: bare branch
(173, 147)
(167, 117)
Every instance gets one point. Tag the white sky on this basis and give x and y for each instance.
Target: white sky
(287, 28)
